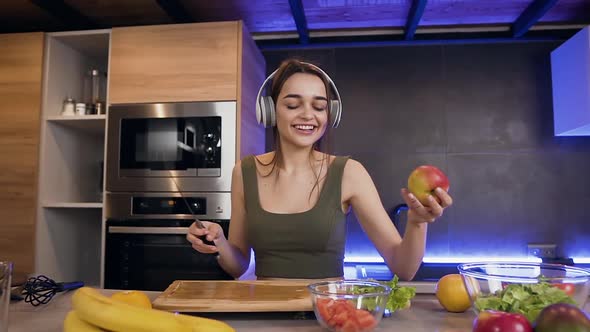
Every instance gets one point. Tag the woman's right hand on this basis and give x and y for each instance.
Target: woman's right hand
(212, 232)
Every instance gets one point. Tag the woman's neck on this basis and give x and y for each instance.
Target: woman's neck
(295, 158)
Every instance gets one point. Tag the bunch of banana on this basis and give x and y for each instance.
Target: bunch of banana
(94, 312)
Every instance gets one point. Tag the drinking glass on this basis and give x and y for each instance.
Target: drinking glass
(5, 275)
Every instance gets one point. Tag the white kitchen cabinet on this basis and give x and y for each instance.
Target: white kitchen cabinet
(570, 77)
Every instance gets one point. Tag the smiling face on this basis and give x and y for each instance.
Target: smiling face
(302, 110)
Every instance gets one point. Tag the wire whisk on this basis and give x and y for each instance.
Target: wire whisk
(41, 289)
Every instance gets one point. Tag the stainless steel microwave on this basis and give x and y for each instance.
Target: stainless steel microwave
(169, 147)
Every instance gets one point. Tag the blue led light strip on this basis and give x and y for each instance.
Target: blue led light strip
(581, 260)
(461, 259)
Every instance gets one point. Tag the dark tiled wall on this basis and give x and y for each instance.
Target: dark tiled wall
(483, 114)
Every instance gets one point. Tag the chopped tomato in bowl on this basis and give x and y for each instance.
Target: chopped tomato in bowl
(339, 307)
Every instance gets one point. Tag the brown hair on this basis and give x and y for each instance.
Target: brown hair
(287, 69)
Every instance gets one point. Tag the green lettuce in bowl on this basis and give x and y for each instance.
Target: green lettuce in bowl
(525, 299)
(399, 298)
(524, 287)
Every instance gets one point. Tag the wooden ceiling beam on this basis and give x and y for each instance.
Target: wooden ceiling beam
(530, 16)
(414, 17)
(175, 10)
(300, 20)
(66, 14)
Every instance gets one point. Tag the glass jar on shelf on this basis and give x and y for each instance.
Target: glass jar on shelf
(80, 109)
(97, 90)
(68, 108)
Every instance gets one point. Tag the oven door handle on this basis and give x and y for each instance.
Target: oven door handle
(148, 230)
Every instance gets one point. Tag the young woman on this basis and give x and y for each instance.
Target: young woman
(289, 205)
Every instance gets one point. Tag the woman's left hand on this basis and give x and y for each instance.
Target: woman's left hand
(420, 213)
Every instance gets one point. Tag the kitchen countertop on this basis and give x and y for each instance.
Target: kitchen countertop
(425, 315)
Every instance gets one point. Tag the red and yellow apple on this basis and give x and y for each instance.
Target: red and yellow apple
(424, 179)
(562, 317)
(497, 321)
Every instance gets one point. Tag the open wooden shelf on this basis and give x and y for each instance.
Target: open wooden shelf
(73, 205)
(89, 123)
(69, 214)
(82, 118)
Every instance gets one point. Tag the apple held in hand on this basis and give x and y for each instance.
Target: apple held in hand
(424, 179)
(498, 321)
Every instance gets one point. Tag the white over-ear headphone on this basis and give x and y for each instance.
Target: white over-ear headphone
(265, 106)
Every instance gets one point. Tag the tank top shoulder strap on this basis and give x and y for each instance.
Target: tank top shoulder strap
(334, 181)
(250, 182)
(339, 164)
(337, 169)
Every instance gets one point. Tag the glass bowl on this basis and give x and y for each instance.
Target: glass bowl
(349, 305)
(525, 288)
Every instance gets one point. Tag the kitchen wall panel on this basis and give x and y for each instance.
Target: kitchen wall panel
(481, 112)
(496, 97)
(397, 93)
(534, 196)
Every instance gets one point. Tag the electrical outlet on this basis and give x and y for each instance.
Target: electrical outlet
(542, 250)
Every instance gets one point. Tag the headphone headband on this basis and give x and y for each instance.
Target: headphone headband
(265, 108)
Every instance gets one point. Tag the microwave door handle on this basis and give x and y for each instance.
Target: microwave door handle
(148, 230)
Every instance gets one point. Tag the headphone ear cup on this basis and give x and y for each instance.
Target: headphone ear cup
(335, 113)
(267, 111)
(273, 112)
(259, 110)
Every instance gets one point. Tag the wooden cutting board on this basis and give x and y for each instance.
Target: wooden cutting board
(235, 296)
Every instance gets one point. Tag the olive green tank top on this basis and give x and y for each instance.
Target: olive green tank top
(306, 245)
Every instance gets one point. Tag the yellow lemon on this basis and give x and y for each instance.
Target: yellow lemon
(135, 298)
(451, 293)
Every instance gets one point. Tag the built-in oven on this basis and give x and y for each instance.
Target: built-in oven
(193, 142)
(145, 242)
